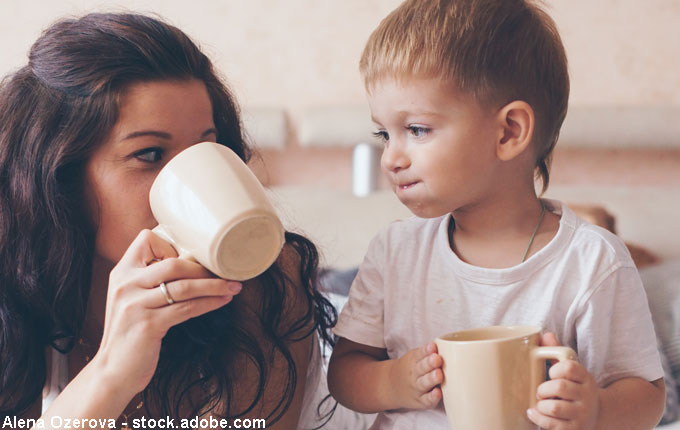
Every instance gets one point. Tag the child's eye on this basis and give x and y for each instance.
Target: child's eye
(381, 135)
(149, 155)
(418, 131)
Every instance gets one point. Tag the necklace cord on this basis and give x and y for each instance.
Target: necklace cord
(452, 227)
(533, 235)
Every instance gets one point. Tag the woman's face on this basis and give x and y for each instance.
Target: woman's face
(157, 120)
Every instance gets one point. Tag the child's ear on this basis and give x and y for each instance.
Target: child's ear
(517, 129)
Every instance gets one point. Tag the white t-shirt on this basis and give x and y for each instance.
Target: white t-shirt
(583, 286)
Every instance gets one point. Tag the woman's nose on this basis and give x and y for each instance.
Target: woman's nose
(394, 157)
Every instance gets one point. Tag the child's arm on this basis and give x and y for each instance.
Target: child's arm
(362, 377)
(572, 400)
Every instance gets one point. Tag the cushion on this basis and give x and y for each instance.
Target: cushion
(337, 281)
(600, 216)
(672, 410)
(662, 284)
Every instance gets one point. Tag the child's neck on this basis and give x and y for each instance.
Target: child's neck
(498, 234)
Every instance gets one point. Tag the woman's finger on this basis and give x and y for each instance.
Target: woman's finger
(169, 316)
(146, 248)
(168, 270)
(188, 289)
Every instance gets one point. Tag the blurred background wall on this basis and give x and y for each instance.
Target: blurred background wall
(300, 54)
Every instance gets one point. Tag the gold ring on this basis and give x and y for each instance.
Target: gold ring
(166, 293)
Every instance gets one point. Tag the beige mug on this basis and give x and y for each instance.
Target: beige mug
(212, 208)
(491, 375)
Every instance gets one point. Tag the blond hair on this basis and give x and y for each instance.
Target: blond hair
(495, 50)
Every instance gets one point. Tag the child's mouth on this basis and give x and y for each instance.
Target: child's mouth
(406, 186)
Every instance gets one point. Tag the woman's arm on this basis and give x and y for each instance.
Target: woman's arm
(95, 393)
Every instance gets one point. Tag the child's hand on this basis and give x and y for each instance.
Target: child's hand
(416, 376)
(569, 400)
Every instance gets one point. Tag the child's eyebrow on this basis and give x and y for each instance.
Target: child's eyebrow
(427, 113)
(405, 113)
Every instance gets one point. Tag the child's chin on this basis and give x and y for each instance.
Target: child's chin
(422, 210)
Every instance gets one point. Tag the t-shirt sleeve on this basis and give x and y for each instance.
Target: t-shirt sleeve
(615, 334)
(362, 318)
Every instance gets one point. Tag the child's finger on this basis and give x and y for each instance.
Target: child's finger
(545, 421)
(429, 380)
(549, 339)
(434, 361)
(430, 399)
(428, 363)
(418, 354)
(555, 408)
(431, 348)
(569, 369)
(562, 388)
(426, 350)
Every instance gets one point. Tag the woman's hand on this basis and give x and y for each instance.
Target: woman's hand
(138, 314)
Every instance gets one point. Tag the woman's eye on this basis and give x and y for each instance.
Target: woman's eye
(381, 135)
(418, 131)
(149, 155)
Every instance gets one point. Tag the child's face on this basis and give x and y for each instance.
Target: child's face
(440, 151)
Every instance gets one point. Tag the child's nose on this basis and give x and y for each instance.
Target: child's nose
(394, 158)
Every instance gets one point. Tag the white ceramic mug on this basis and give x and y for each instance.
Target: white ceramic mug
(212, 208)
(491, 375)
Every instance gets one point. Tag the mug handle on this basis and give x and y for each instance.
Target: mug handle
(539, 356)
(181, 252)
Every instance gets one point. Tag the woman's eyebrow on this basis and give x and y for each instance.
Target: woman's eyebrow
(209, 131)
(162, 134)
(154, 133)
